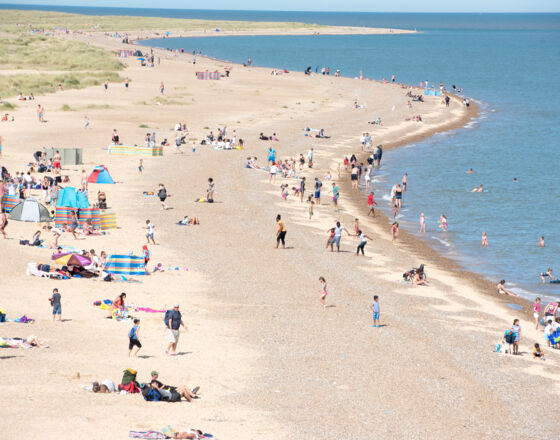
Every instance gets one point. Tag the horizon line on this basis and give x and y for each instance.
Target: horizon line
(18, 6)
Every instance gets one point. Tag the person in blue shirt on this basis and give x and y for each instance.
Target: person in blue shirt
(173, 321)
(375, 310)
(134, 338)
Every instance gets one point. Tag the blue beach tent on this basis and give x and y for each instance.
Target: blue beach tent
(100, 174)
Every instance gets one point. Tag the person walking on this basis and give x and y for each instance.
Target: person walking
(281, 232)
(337, 236)
(150, 233)
(56, 305)
(134, 338)
(173, 321)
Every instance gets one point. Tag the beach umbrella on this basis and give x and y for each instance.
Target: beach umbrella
(72, 260)
(141, 59)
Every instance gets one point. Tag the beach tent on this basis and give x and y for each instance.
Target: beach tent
(137, 53)
(30, 210)
(71, 198)
(100, 174)
(125, 265)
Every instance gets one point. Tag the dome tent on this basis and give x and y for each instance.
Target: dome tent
(100, 174)
(30, 210)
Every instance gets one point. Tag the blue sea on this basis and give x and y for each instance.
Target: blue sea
(508, 63)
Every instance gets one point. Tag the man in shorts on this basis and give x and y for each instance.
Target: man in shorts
(318, 185)
(173, 321)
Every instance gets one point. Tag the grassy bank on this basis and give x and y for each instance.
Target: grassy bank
(38, 84)
(14, 20)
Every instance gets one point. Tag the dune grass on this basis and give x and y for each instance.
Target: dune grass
(39, 84)
(15, 20)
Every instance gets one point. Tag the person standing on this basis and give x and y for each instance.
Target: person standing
(371, 204)
(318, 185)
(162, 88)
(335, 196)
(537, 312)
(301, 189)
(134, 338)
(375, 311)
(516, 328)
(126, 83)
(106, 85)
(324, 292)
(173, 321)
(310, 158)
(281, 232)
(56, 305)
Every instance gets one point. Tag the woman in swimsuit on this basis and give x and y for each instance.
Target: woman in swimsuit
(324, 292)
(354, 176)
(398, 197)
(484, 240)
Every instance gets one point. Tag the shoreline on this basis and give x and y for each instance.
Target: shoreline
(417, 245)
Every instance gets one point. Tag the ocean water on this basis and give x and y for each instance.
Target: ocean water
(508, 63)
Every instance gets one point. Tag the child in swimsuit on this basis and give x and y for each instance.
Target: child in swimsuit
(422, 223)
(324, 292)
(443, 222)
(311, 203)
(484, 240)
(331, 236)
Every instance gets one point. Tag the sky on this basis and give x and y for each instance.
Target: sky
(323, 5)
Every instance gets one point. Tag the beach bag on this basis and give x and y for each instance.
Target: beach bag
(510, 337)
(129, 388)
(152, 395)
(24, 242)
(128, 376)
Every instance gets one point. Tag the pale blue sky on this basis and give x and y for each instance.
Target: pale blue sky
(325, 5)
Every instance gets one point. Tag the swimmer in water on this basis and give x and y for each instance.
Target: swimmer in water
(478, 189)
(443, 222)
(484, 240)
(541, 241)
(547, 274)
(470, 171)
(422, 223)
(515, 180)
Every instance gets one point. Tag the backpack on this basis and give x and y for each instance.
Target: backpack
(152, 395)
(128, 376)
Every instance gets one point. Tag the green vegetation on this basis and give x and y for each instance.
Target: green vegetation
(98, 107)
(27, 42)
(143, 126)
(38, 84)
(7, 106)
(14, 21)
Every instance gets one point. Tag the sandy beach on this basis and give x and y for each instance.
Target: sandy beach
(271, 362)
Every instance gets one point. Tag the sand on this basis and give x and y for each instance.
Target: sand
(271, 362)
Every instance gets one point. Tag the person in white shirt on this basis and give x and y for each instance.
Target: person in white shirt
(273, 171)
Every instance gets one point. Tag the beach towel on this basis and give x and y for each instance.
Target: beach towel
(147, 434)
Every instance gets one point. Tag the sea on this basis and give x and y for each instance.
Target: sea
(509, 64)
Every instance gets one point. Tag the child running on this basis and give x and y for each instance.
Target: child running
(150, 233)
(375, 311)
(324, 292)
(363, 241)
